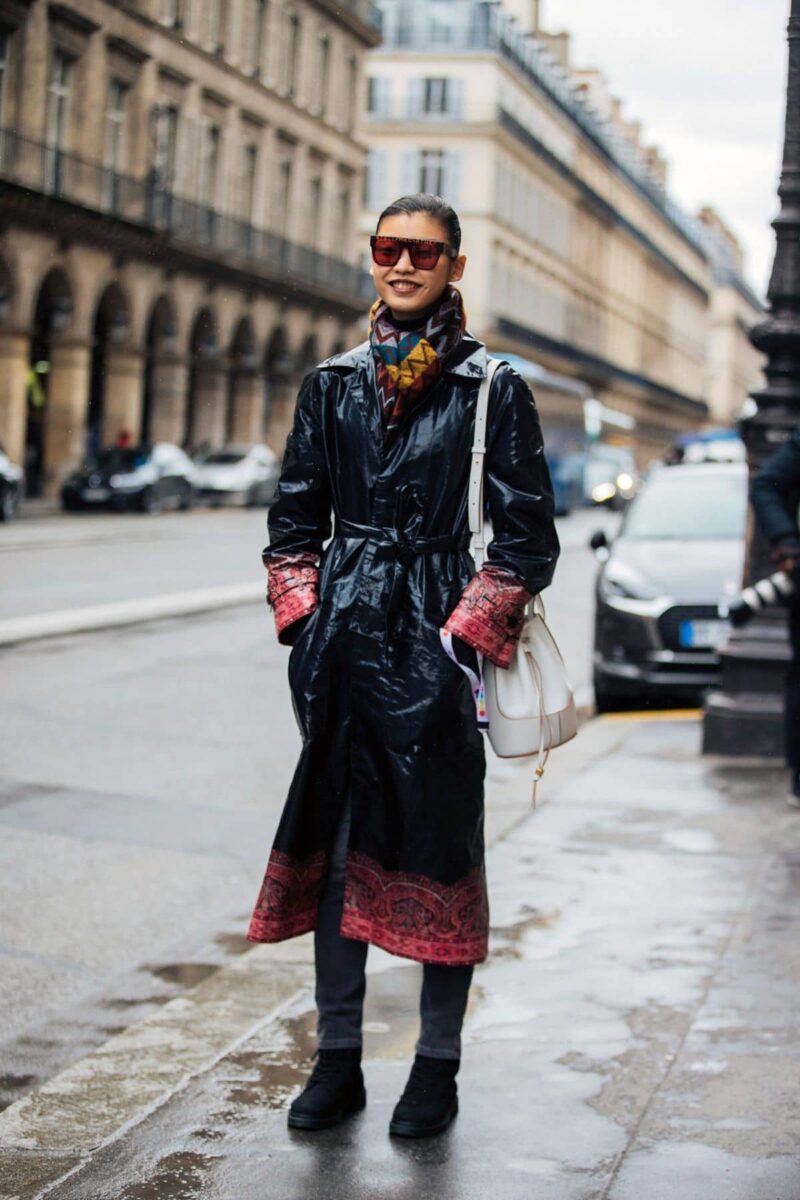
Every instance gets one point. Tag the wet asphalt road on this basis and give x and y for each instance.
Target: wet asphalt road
(143, 771)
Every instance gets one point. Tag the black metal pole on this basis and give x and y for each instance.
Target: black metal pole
(746, 716)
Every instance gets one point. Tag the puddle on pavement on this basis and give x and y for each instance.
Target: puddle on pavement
(176, 1177)
(233, 943)
(186, 974)
(11, 1086)
(506, 940)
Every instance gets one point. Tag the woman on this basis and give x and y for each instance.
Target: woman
(381, 839)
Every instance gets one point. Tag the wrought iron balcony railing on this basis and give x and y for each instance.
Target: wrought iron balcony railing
(147, 203)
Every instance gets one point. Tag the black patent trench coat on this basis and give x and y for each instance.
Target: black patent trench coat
(388, 720)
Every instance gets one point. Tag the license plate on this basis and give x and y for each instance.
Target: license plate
(96, 494)
(705, 635)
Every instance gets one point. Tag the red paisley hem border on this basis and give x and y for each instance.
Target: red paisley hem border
(288, 899)
(414, 916)
(465, 954)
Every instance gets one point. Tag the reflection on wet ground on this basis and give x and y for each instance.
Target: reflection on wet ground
(74, 1032)
(632, 1036)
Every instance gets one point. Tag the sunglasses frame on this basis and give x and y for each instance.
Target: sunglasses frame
(409, 244)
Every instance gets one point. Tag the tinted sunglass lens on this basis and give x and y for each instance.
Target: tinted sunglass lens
(386, 252)
(425, 255)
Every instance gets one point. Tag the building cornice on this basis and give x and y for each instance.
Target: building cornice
(72, 223)
(600, 372)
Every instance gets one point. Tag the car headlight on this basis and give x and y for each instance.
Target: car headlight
(627, 584)
(602, 492)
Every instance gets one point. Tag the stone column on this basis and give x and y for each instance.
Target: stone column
(247, 406)
(122, 395)
(65, 411)
(282, 400)
(169, 381)
(14, 367)
(210, 403)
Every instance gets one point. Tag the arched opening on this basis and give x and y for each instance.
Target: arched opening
(51, 316)
(278, 368)
(204, 419)
(160, 346)
(308, 358)
(244, 387)
(110, 329)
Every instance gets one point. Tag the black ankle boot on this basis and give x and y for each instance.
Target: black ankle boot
(334, 1090)
(430, 1099)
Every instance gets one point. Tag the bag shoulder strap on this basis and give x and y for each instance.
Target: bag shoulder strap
(478, 455)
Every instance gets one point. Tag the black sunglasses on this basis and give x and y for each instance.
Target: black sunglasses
(424, 255)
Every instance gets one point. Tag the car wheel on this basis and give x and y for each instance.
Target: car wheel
(187, 500)
(253, 497)
(152, 503)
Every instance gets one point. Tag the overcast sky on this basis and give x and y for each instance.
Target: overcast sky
(707, 80)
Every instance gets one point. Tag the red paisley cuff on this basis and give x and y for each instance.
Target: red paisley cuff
(291, 589)
(490, 614)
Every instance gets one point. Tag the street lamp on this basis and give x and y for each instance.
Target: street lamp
(746, 716)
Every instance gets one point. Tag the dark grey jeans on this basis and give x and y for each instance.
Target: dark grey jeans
(341, 979)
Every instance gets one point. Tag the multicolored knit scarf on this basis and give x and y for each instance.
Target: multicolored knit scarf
(408, 362)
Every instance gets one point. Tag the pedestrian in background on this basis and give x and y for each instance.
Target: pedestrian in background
(381, 839)
(775, 496)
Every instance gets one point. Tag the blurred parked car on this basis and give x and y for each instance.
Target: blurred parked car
(610, 476)
(149, 478)
(567, 488)
(713, 445)
(678, 553)
(238, 475)
(12, 487)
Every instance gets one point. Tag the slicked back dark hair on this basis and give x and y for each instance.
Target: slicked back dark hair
(433, 206)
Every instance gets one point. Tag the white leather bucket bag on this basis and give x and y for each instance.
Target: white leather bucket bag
(529, 705)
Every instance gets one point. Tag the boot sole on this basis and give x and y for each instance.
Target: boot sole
(416, 1129)
(309, 1122)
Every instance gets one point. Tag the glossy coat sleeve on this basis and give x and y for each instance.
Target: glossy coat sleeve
(522, 555)
(776, 492)
(517, 487)
(300, 518)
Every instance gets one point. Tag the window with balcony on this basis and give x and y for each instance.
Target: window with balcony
(171, 14)
(293, 30)
(252, 36)
(115, 141)
(216, 25)
(59, 109)
(375, 181)
(436, 171)
(247, 184)
(164, 132)
(208, 172)
(437, 96)
(352, 93)
(283, 195)
(323, 72)
(379, 96)
(314, 211)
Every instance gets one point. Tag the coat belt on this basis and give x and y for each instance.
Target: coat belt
(407, 544)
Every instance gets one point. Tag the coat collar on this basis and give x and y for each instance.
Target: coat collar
(469, 361)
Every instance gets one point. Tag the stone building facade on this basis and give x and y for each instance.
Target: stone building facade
(179, 187)
(578, 260)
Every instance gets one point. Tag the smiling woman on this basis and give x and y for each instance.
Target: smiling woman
(381, 839)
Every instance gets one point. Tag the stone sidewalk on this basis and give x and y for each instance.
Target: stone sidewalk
(632, 1037)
